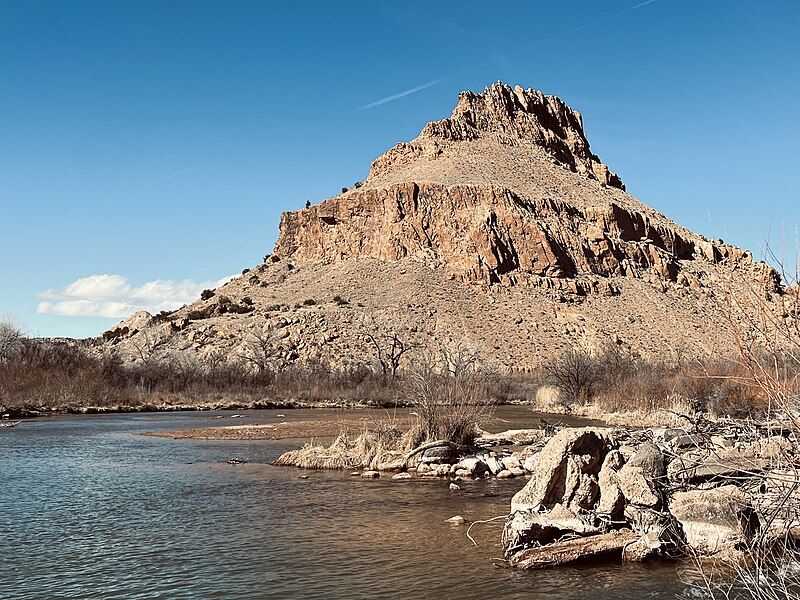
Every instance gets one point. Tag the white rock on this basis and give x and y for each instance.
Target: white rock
(457, 520)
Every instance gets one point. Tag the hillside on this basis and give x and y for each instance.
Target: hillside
(497, 227)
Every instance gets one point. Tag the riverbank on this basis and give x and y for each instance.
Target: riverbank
(180, 404)
(725, 489)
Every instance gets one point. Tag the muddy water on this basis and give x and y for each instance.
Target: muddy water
(90, 508)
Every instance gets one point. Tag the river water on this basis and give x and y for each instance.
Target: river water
(90, 508)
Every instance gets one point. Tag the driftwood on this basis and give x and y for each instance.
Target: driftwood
(429, 445)
(10, 424)
(567, 551)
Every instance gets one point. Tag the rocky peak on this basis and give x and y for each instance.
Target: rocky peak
(512, 117)
(505, 190)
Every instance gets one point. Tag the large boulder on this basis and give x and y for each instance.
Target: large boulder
(494, 464)
(696, 467)
(439, 454)
(715, 522)
(642, 478)
(472, 466)
(526, 528)
(612, 500)
(566, 471)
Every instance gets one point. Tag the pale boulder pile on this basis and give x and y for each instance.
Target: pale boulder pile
(650, 493)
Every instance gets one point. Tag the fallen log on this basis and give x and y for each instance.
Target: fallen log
(436, 444)
(567, 551)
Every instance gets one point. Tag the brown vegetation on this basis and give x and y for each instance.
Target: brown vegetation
(769, 365)
(50, 375)
(618, 381)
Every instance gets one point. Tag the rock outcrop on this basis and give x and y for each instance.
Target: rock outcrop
(511, 117)
(626, 484)
(497, 226)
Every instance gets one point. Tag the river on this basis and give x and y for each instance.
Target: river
(89, 507)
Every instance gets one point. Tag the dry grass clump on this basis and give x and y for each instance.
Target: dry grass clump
(450, 396)
(378, 448)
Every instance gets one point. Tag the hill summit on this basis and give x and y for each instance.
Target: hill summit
(497, 227)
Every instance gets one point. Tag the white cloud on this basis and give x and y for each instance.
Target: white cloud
(113, 296)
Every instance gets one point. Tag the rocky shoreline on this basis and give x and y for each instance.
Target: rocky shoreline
(708, 490)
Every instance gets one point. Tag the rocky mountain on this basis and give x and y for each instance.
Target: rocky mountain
(497, 227)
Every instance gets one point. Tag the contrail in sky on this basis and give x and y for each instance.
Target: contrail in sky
(602, 20)
(418, 88)
(407, 92)
(176, 174)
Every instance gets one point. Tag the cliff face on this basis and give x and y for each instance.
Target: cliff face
(497, 226)
(488, 234)
(424, 198)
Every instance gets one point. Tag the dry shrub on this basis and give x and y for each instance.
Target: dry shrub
(766, 325)
(617, 381)
(38, 375)
(450, 396)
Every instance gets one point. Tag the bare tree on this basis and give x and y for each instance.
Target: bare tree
(389, 349)
(11, 339)
(449, 394)
(145, 345)
(575, 373)
(260, 350)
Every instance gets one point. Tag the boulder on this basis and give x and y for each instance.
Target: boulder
(645, 546)
(566, 471)
(529, 462)
(441, 454)
(526, 528)
(660, 532)
(612, 500)
(642, 478)
(388, 463)
(493, 463)
(697, 467)
(714, 521)
(472, 467)
(512, 462)
(442, 471)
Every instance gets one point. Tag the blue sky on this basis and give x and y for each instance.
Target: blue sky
(148, 149)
